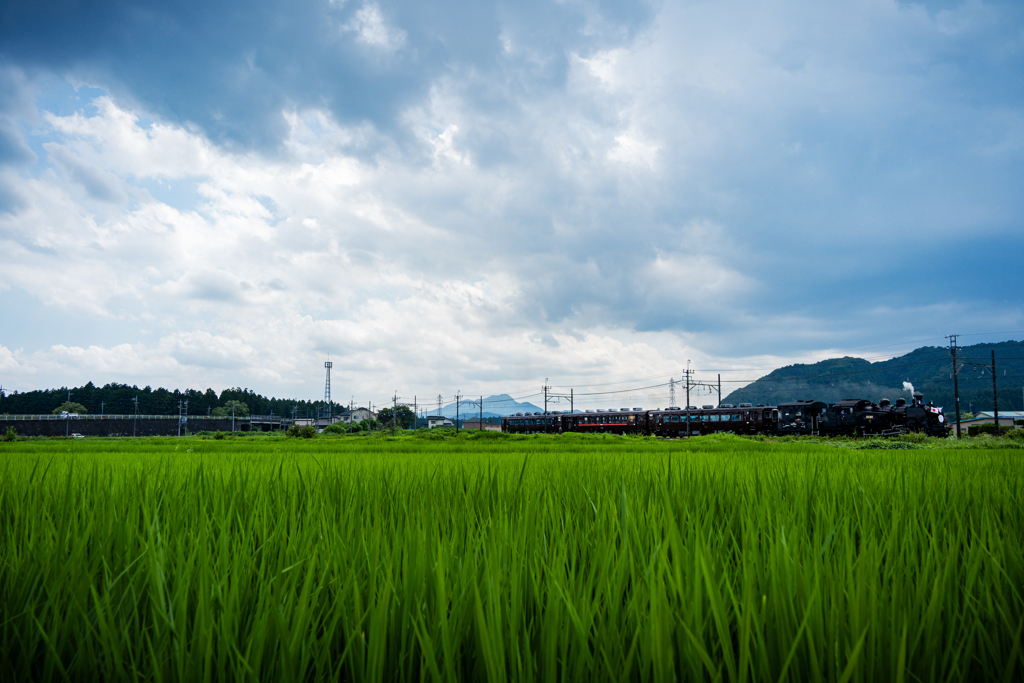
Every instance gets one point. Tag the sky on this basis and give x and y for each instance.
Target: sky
(479, 197)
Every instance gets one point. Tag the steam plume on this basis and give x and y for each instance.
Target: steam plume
(909, 387)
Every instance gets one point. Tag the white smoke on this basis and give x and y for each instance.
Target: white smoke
(909, 387)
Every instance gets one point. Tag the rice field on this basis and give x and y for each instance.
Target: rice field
(541, 558)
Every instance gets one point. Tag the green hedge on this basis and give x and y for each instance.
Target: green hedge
(975, 430)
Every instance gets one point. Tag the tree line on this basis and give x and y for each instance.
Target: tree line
(118, 399)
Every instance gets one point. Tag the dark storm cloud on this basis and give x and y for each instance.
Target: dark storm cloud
(231, 66)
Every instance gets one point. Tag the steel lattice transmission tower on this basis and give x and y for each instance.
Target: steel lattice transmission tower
(327, 388)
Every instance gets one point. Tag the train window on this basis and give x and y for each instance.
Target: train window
(716, 418)
(705, 418)
(737, 418)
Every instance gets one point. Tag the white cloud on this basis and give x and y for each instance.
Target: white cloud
(631, 149)
(369, 23)
(714, 185)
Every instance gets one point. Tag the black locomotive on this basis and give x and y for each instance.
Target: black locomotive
(849, 417)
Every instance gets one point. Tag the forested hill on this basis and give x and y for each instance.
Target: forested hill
(929, 369)
(117, 399)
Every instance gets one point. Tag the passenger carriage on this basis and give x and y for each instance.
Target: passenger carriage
(693, 421)
(607, 421)
(532, 423)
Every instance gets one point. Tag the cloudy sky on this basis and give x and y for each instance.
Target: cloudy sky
(478, 195)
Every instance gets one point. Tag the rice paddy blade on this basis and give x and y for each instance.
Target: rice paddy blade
(528, 559)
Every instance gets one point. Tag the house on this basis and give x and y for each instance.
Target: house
(439, 421)
(357, 415)
(1007, 418)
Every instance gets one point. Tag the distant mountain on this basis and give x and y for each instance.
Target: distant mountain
(929, 369)
(494, 406)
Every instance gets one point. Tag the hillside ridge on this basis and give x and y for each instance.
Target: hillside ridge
(928, 368)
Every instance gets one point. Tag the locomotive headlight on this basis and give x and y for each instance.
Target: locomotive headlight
(942, 418)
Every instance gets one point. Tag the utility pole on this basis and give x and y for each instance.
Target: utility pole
(102, 403)
(481, 412)
(956, 386)
(457, 399)
(328, 404)
(394, 414)
(995, 394)
(719, 390)
(572, 409)
(136, 421)
(439, 404)
(546, 387)
(689, 382)
(67, 413)
(688, 397)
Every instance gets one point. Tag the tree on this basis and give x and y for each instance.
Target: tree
(241, 409)
(70, 407)
(297, 432)
(406, 418)
(364, 425)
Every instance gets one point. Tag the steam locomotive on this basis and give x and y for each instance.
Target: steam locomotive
(851, 417)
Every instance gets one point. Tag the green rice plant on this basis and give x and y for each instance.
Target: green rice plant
(531, 558)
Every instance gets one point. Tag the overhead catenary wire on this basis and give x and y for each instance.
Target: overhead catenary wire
(645, 388)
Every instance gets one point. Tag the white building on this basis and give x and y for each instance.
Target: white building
(439, 421)
(358, 415)
(1007, 418)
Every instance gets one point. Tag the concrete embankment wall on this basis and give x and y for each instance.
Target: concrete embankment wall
(120, 427)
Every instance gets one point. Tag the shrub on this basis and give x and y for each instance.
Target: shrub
(241, 410)
(11, 435)
(436, 434)
(912, 437)
(485, 434)
(70, 407)
(887, 445)
(337, 428)
(297, 432)
(976, 430)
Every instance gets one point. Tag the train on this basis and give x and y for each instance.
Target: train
(849, 417)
